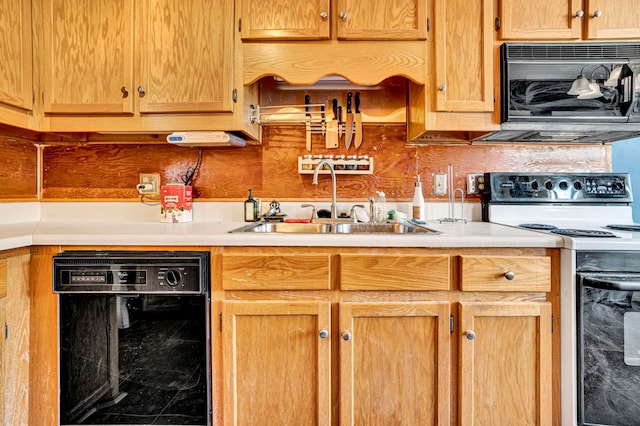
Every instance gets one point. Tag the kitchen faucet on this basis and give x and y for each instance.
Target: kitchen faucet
(333, 184)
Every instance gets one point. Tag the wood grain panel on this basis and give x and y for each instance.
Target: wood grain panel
(16, 53)
(16, 360)
(18, 170)
(107, 170)
(276, 272)
(3, 278)
(390, 272)
(487, 273)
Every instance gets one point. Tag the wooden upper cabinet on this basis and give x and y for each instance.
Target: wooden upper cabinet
(464, 55)
(354, 20)
(569, 19)
(125, 56)
(16, 85)
(88, 56)
(382, 19)
(186, 56)
(606, 19)
(283, 19)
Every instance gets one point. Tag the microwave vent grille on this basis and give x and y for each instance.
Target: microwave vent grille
(574, 51)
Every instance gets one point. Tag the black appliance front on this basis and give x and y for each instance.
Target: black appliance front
(134, 358)
(608, 340)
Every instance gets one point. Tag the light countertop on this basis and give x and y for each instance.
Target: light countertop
(53, 229)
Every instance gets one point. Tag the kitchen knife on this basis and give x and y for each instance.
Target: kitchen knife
(340, 126)
(331, 136)
(349, 129)
(358, 121)
(307, 108)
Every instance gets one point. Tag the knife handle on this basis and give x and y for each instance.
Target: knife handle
(307, 101)
(334, 106)
(357, 102)
(349, 96)
(339, 115)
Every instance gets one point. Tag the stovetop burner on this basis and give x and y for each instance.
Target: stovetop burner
(538, 226)
(581, 233)
(632, 227)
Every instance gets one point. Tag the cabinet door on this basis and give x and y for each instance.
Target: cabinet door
(16, 85)
(2, 363)
(186, 56)
(607, 19)
(88, 56)
(540, 19)
(505, 363)
(277, 363)
(464, 64)
(394, 363)
(284, 19)
(382, 19)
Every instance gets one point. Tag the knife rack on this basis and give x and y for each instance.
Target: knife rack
(307, 166)
(313, 114)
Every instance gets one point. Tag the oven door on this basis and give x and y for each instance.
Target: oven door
(608, 348)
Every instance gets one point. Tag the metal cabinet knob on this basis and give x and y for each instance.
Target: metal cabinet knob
(141, 91)
(597, 14)
(324, 15)
(509, 275)
(579, 14)
(343, 15)
(346, 336)
(442, 87)
(125, 92)
(323, 334)
(470, 334)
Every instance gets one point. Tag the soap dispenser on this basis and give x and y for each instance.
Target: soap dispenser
(251, 209)
(418, 201)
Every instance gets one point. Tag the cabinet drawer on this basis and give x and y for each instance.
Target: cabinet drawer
(394, 272)
(505, 273)
(289, 271)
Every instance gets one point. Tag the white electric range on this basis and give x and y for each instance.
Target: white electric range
(599, 284)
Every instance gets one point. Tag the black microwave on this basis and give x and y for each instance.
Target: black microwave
(570, 83)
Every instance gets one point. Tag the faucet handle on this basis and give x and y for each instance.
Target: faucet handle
(352, 212)
(314, 214)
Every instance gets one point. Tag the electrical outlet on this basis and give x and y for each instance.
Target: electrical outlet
(149, 184)
(440, 184)
(475, 183)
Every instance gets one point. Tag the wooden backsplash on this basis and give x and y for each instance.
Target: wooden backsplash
(106, 167)
(103, 169)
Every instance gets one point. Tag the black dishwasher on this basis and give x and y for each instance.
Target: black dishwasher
(134, 337)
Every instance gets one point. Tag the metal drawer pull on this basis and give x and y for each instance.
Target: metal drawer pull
(470, 334)
(346, 336)
(324, 15)
(597, 14)
(343, 15)
(509, 275)
(125, 91)
(323, 334)
(141, 91)
(579, 14)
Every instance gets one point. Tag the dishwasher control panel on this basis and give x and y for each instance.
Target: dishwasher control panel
(157, 272)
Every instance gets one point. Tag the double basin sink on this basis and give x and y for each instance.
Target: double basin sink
(335, 228)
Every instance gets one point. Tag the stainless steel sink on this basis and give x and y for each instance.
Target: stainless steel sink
(335, 228)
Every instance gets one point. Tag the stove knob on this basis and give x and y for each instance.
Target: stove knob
(549, 185)
(172, 277)
(534, 185)
(577, 185)
(618, 186)
(563, 185)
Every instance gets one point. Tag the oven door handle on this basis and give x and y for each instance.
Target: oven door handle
(611, 284)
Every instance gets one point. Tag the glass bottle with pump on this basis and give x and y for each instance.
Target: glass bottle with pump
(418, 201)
(251, 209)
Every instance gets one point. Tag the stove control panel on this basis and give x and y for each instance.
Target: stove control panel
(557, 188)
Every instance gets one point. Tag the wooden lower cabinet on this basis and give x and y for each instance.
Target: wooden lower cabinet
(394, 363)
(383, 336)
(505, 363)
(277, 357)
(3, 324)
